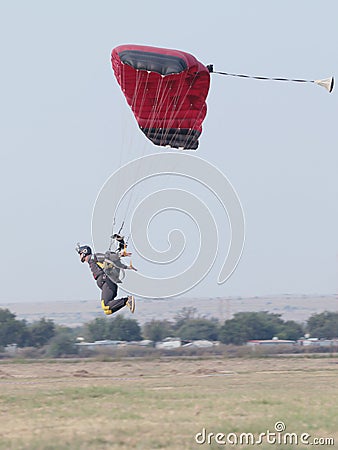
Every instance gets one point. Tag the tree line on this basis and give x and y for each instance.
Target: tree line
(186, 325)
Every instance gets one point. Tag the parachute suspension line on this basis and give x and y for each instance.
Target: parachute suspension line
(144, 92)
(171, 109)
(201, 111)
(327, 83)
(139, 87)
(121, 227)
(162, 100)
(112, 233)
(143, 86)
(191, 127)
(126, 145)
(175, 110)
(134, 194)
(158, 100)
(138, 84)
(132, 105)
(178, 107)
(127, 135)
(160, 96)
(149, 124)
(157, 104)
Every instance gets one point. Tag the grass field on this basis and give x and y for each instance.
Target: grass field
(164, 403)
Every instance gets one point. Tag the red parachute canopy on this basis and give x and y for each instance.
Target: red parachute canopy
(166, 90)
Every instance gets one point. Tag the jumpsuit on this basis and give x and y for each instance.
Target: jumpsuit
(109, 303)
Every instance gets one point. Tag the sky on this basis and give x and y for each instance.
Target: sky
(65, 128)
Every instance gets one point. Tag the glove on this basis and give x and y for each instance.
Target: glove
(131, 267)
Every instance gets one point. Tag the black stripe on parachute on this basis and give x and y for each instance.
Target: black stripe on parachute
(153, 62)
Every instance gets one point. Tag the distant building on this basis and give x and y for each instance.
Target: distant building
(316, 342)
(201, 343)
(105, 343)
(169, 343)
(275, 342)
(11, 349)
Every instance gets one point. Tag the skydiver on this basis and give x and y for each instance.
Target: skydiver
(106, 268)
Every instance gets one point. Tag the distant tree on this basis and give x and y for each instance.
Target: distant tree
(195, 329)
(245, 326)
(233, 332)
(41, 332)
(290, 330)
(97, 329)
(323, 325)
(122, 329)
(156, 330)
(62, 344)
(186, 313)
(12, 331)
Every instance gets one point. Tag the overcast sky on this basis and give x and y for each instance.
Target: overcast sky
(65, 128)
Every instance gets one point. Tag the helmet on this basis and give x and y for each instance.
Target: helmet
(83, 250)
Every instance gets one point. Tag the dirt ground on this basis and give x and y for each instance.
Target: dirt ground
(58, 370)
(163, 403)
